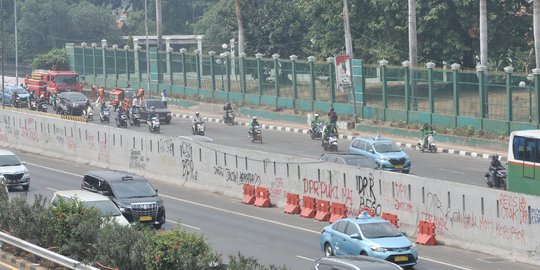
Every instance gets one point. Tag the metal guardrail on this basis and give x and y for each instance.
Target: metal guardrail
(44, 253)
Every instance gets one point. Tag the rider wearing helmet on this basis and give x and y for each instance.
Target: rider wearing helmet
(315, 122)
(197, 120)
(426, 131)
(328, 131)
(495, 166)
(254, 123)
(151, 114)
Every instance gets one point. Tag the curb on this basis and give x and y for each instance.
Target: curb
(348, 137)
(18, 262)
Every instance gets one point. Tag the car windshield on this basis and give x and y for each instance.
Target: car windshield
(20, 91)
(360, 162)
(76, 97)
(379, 230)
(155, 103)
(9, 160)
(66, 79)
(386, 147)
(133, 189)
(107, 208)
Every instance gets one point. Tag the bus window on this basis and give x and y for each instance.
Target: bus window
(530, 150)
(518, 147)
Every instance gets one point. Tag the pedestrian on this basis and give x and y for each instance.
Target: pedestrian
(101, 95)
(140, 94)
(332, 116)
(164, 97)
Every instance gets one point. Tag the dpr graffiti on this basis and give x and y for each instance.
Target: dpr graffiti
(514, 208)
(364, 187)
(136, 160)
(277, 188)
(188, 168)
(440, 222)
(237, 177)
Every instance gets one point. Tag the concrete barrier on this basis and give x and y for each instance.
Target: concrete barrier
(475, 218)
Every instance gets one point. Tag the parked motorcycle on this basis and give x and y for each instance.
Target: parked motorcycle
(135, 117)
(228, 117)
(330, 143)
(121, 120)
(198, 128)
(431, 147)
(316, 132)
(257, 136)
(105, 115)
(501, 175)
(153, 125)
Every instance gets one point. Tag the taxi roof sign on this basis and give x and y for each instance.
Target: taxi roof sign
(364, 214)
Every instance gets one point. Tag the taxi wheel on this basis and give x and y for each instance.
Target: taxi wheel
(328, 250)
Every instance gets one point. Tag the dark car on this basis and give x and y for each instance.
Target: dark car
(164, 113)
(133, 194)
(353, 263)
(350, 159)
(71, 103)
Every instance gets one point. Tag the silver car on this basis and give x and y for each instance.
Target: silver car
(13, 171)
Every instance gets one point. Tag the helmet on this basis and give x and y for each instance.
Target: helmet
(316, 115)
(42, 96)
(254, 117)
(494, 157)
(426, 125)
(331, 109)
(228, 104)
(197, 113)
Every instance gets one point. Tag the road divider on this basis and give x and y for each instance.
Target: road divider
(262, 197)
(292, 205)
(309, 207)
(323, 210)
(426, 233)
(338, 211)
(249, 194)
(393, 219)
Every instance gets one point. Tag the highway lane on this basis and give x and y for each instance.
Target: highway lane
(232, 227)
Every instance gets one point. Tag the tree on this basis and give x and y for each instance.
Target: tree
(536, 27)
(483, 34)
(239, 22)
(54, 59)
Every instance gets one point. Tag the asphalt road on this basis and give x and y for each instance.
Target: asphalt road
(231, 227)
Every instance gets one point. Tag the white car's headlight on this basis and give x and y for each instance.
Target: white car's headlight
(377, 248)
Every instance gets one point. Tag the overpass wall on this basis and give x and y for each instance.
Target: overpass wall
(471, 217)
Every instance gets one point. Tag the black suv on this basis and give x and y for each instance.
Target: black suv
(71, 103)
(133, 194)
(164, 113)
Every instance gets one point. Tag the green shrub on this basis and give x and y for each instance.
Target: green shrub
(122, 247)
(54, 59)
(241, 262)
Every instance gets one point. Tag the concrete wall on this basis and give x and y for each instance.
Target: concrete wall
(476, 218)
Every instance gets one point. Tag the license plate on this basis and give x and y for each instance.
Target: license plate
(401, 259)
(145, 218)
(399, 166)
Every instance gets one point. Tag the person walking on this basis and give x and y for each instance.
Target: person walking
(332, 116)
(164, 97)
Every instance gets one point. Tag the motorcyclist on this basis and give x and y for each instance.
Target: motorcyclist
(42, 100)
(197, 120)
(54, 98)
(87, 107)
(328, 131)
(228, 110)
(151, 115)
(494, 167)
(426, 131)
(315, 122)
(254, 123)
(13, 98)
(132, 110)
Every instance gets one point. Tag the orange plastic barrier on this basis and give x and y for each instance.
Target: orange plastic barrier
(338, 211)
(249, 194)
(309, 207)
(293, 204)
(370, 211)
(426, 233)
(391, 218)
(262, 197)
(323, 211)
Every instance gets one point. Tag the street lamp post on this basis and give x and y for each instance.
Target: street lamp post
(530, 78)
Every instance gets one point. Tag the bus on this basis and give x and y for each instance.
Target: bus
(523, 173)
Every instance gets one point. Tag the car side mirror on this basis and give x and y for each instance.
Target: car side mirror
(356, 236)
(24, 162)
(156, 190)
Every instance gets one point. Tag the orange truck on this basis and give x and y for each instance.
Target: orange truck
(49, 82)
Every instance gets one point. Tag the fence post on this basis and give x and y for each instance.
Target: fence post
(212, 71)
(169, 65)
(382, 66)
(455, 73)
(115, 47)
(276, 75)
(94, 60)
(198, 67)
(294, 76)
(126, 51)
(83, 45)
(481, 90)
(184, 73)
(536, 73)
(407, 89)
(104, 60)
(258, 56)
(137, 62)
(331, 76)
(311, 60)
(509, 70)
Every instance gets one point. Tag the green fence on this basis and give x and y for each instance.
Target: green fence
(448, 97)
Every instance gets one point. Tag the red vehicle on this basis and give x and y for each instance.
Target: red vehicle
(49, 82)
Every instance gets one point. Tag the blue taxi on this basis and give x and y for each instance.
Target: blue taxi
(384, 152)
(368, 236)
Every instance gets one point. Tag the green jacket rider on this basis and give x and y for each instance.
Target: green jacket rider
(253, 124)
(426, 131)
(315, 122)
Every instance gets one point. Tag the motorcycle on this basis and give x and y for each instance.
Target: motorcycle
(32, 105)
(121, 120)
(430, 144)
(228, 117)
(42, 107)
(104, 115)
(89, 113)
(316, 132)
(500, 173)
(198, 128)
(257, 136)
(153, 125)
(135, 118)
(330, 143)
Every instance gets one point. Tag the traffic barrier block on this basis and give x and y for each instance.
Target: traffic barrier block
(426, 233)
(309, 207)
(74, 118)
(323, 211)
(338, 211)
(262, 197)
(293, 204)
(393, 219)
(249, 194)
(370, 211)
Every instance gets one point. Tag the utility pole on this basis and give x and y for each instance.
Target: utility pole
(413, 51)
(2, 47)
(349, 50)
(159, 22)
(16, 49)
(147, 46)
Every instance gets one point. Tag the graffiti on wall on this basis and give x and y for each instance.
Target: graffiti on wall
(165, 146)
(368, 198)
(514, 208)
(325, 190)
(103, 154)
(29, 133)
(277, 188)
(535, 216)
(137, 160)
(188, 167)
(237, 177)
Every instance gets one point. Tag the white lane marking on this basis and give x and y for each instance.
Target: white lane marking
(54, 170)
(304, 258)
(241, 214)
(443, 263)
(451, 171)
(244, 215)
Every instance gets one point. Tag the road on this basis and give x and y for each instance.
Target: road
(231, 227)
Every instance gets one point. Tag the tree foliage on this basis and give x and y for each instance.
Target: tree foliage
(54, 59)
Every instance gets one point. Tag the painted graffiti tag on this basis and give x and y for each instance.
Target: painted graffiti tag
(368, 199)
(188, 168)
(136, 160)
(237, 177)
(321, 189)
(535, 216)
(165, 146)
(103, 154)
(514, 208)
